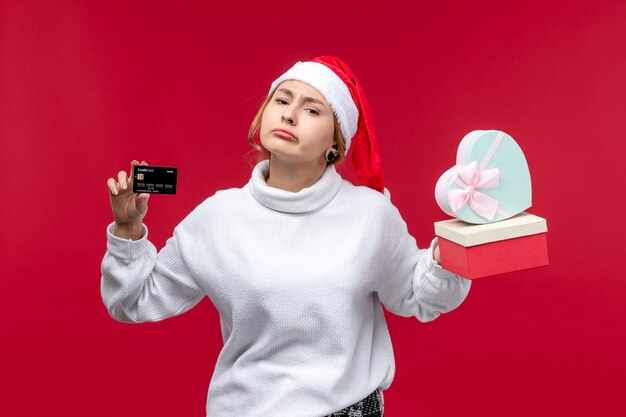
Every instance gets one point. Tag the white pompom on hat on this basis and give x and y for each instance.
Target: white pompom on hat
(337, 83)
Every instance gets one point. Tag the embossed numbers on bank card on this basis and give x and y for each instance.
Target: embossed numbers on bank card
(153, 179)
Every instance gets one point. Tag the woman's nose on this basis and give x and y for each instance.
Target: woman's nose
(287, 117)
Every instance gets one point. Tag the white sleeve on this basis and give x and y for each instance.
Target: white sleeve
(139, 285)
(415, 285)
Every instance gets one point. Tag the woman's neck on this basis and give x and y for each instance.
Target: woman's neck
(293, 177)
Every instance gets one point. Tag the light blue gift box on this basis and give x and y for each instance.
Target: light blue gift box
(490, 181)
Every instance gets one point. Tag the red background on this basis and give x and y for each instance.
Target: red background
(85, 87)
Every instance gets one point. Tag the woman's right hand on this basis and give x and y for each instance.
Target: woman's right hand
(129, 208)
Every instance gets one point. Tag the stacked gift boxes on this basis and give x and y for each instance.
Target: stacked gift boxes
(480, 250)
(488, 191)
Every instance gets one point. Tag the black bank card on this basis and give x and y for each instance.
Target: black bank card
(153, 179)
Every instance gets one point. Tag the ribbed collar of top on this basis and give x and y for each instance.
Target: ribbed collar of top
(307, 199)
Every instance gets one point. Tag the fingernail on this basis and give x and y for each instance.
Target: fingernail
(115, 191)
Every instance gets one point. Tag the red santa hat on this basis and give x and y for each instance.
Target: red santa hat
(342, 90)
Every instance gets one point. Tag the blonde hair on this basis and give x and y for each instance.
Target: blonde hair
(262, 153)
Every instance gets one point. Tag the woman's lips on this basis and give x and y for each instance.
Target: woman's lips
(285, 135)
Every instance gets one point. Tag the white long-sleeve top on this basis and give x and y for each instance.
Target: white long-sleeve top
(298, 280)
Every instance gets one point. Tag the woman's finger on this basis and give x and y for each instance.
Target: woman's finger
(132, 170)
(112, 186)
(122, 179)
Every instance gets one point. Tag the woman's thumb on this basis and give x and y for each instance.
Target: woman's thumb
(141, 202)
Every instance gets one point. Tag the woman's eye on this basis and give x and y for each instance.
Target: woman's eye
(281, 101)
(313, 111)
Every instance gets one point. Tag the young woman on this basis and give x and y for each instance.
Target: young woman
(298, 262)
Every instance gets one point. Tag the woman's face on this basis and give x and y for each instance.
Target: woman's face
(297, 125)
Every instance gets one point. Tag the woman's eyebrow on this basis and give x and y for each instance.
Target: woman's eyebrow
(306, 98)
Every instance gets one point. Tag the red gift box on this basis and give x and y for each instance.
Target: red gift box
(480, 250)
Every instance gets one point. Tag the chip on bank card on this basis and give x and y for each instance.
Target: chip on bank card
(153, 179)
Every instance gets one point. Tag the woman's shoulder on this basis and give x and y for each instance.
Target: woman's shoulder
(367, 199)
(365, 194)
(222, 202)
(373, 209)
(225, 199)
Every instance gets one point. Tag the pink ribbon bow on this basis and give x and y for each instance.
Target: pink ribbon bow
(471, 178)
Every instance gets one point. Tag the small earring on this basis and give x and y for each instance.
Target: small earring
(331, 156)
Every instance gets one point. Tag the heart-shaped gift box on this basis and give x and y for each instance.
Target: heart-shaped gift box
(490, 181)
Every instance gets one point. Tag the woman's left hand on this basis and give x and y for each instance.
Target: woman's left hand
(436, 255)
